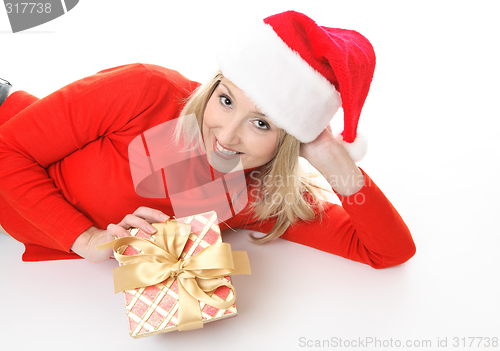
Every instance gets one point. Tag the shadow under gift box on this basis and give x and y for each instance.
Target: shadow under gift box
(154, 309)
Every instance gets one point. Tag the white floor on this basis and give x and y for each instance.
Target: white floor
(432, 122)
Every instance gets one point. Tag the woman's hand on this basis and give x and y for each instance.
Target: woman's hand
(314, 152)
(85, 244)
(330, 158)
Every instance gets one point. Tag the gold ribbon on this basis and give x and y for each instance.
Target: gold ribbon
(196, 275)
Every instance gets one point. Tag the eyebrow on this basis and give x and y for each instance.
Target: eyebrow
(228, 90)
(232, 97)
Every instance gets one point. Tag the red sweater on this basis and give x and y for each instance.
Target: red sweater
(65, 168)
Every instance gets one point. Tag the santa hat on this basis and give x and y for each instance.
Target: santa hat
(299, 73)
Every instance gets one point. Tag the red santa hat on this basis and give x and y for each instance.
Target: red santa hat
(299, 73)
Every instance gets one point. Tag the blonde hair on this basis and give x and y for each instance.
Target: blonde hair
(278, 186)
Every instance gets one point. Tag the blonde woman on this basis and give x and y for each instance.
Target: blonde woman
(69, 175)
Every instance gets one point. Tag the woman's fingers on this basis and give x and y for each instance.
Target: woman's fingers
(142, 219)
(117, 231)
(151, 215)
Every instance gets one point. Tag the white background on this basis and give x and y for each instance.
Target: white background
(432, 122)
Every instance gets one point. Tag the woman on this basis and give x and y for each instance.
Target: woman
(70, 173)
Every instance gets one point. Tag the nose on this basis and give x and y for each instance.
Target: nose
(229, 133)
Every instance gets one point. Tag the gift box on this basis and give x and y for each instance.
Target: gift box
(193, 283)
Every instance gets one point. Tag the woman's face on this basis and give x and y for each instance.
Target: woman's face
(233, 127)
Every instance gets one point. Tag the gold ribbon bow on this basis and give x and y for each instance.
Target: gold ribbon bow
(196, 275)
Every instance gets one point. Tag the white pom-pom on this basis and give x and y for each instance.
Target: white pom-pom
(357, 149)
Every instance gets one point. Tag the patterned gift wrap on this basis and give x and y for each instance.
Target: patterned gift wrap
(153, 309)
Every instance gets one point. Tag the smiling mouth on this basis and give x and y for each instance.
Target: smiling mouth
(222, 150)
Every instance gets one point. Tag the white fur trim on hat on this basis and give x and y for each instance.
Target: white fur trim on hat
(282, 85)
(357, 149)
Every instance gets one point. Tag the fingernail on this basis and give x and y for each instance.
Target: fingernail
(164, 217)
(151, 229)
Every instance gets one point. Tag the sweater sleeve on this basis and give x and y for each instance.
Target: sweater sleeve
(54, 127)
(366, 228)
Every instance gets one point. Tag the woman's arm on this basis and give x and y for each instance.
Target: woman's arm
(85, 244)
(54, 127)
(366, 228)
(372, 229)
(334, 163)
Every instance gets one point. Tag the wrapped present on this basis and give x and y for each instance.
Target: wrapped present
(178, 278)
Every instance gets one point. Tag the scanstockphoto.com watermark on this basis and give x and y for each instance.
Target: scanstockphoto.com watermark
(287, 181)
(25, 14)
(371, 343)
